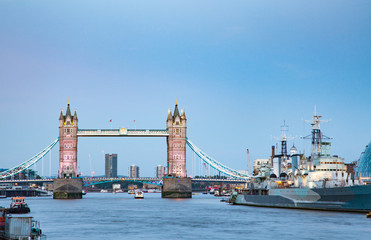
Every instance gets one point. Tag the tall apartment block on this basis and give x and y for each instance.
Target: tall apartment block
(159, 171)
(133, 171)
(111, 165)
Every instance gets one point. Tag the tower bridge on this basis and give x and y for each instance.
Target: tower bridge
(68, 185)
(175, 133)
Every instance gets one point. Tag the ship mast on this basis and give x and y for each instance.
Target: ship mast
(284, 128)
(283, 139)
(283, 158)
(316, 135)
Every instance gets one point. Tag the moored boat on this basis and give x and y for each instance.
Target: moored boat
(318, 182)
(18, 205)
(350, 199)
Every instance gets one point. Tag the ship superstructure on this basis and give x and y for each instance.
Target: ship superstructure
(284, 164)
(321, 169)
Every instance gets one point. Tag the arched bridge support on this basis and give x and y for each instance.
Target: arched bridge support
(67, 188)
(175, 187)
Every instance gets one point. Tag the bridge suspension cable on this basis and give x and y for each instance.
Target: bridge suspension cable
(215, 164)
(21, 167)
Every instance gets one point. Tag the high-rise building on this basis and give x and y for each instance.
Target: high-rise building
(159, 171)
(111, 165)
(134, 171)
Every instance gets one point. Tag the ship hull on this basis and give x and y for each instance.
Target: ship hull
(350, 199)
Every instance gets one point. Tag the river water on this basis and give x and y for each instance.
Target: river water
(120, 216)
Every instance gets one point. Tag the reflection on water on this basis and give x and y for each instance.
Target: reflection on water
(120, 216)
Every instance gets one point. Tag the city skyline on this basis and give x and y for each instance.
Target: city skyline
(239, 71)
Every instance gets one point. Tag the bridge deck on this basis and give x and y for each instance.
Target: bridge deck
(122, 133)
(143, 179)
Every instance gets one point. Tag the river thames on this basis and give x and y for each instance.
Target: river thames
(120, 216)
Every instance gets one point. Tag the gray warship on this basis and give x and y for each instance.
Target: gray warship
(318, 182)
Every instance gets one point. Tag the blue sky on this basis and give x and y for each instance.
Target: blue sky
(238, 69)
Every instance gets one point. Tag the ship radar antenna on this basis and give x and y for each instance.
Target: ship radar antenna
(316, 136)
(284, 128)
(284, 138)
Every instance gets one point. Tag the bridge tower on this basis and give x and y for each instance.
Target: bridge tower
(176, 184)
(67, 185)
(68, 144)
(176, 124)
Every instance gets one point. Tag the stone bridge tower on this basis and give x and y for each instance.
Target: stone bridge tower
(68, 144)
(176, 124)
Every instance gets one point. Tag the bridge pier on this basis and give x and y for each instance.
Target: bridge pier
(67, 188)
(176, 187)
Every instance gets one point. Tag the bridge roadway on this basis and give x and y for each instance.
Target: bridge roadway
(142, 179)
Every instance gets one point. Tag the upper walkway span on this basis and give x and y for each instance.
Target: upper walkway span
(122, 133)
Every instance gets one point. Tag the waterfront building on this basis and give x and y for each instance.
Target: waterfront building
(159, 171)
(133, 171)
(364, 165)
(26, 174)
(111, 165)
(116, 187)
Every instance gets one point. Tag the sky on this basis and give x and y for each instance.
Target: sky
(239, 70)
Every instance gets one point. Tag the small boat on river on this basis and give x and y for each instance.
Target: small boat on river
(138, 194)
(18, 205)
